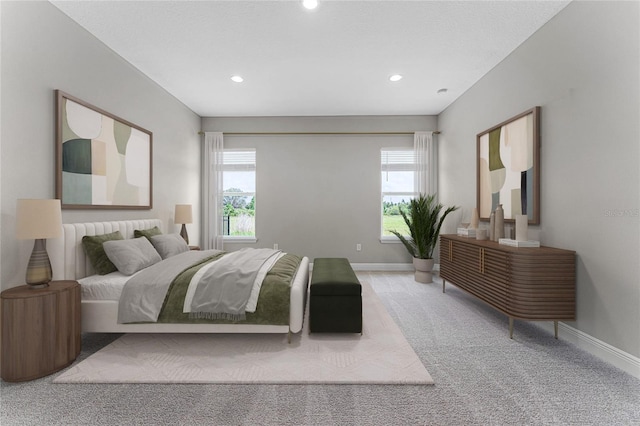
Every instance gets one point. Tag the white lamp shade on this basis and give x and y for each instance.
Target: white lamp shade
(38, 219)
(183, 213)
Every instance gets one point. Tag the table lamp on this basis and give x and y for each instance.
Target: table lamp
(183, 216)
(38, 220)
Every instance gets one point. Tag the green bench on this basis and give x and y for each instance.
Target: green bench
(335, 301)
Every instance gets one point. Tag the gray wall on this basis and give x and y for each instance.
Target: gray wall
(43, 50)
(319, 195)
(582, 68)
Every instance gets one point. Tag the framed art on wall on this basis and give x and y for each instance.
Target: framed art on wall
(509, 168)
(102, 161)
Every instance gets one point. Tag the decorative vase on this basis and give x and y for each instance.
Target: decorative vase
(474, 219)
(424, 270)
(499, 231)
(492, 226)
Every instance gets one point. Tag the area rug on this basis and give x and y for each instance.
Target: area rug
(381, 355)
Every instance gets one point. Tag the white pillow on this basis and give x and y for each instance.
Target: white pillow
(169, 244)
(131, 255)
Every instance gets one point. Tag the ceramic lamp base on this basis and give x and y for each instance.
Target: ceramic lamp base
(39, 268)
(183, 233)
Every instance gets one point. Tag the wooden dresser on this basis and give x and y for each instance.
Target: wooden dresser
(40, 329)
(523, 283)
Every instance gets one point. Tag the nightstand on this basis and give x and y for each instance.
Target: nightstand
(40, 330)
(194, 247)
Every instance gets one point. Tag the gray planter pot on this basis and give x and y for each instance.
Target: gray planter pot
(424, 268)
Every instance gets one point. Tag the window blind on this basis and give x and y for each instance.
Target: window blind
(239, 160)
(397, 160)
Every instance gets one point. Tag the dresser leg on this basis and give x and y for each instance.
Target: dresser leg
(443, 283)
(555, 329)
(510, 328)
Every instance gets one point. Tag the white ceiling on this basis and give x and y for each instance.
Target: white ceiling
(334, 60)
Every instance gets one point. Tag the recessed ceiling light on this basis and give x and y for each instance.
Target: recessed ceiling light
(237, 79)
(443, 90)
(310, 4)
(395, 77)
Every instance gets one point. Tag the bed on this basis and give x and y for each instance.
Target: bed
(100, 305)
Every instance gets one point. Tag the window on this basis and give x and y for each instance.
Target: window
(398, 167)
(239, 195)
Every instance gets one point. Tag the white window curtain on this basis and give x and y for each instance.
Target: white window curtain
(212, 190)
(426, 151)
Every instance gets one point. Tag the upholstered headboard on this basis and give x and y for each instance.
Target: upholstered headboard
(68, 259)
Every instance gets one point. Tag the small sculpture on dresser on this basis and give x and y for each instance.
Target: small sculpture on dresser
(522, 223)
(474, 219)
(499, 221)
(492, 227)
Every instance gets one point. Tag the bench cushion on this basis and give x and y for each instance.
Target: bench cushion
(334, 277)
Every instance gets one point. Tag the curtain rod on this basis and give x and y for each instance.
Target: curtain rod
(315, 133)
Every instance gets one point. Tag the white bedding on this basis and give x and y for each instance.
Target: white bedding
(103, 287)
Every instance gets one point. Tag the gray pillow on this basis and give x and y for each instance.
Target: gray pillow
(130, 256)
(169, 244)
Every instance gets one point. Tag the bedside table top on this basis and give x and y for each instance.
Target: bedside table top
(25, 291)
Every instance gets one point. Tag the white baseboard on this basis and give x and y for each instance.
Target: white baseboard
(384, 267)
(387, 267)
(380, 267)
(614, 356)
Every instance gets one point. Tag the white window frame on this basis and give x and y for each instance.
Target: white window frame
(408, 153)
(241, 168)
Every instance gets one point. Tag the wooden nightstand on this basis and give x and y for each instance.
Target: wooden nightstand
(40, 330)
(194, 247)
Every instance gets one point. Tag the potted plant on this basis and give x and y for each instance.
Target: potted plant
(424, 220)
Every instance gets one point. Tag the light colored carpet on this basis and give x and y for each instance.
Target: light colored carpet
(380, 356)
(482, 378)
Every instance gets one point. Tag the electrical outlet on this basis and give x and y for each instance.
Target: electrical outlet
(275, 246)
(358, 247)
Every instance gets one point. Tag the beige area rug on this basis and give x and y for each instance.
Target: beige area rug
(380, 356)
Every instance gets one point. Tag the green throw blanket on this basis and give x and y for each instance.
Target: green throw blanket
(273, 302)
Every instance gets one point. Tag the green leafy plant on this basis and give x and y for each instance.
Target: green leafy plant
(424, 221)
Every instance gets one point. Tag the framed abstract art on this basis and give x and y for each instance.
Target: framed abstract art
(102, 161)
(509, 168)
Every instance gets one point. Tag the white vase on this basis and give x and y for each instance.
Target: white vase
(424, 269)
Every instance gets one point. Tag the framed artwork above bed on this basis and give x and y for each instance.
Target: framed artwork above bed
(102, 161)
(509, 168)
